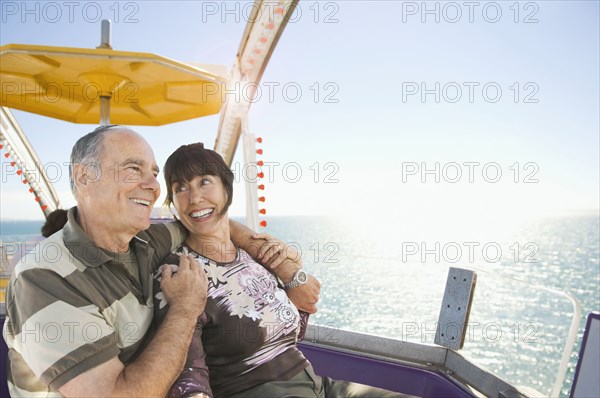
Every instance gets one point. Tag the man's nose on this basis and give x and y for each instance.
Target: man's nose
(149, 181)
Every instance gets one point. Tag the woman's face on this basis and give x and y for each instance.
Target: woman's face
(199, 203)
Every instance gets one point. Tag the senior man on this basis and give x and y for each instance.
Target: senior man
(79, 306)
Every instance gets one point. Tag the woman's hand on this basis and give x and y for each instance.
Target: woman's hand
(273, 252)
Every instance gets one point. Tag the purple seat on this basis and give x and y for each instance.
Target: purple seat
(344, 366)
(379, 373)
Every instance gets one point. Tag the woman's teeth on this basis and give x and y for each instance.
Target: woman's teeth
(202, 213)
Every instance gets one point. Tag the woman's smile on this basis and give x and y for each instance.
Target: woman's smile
(202, 215)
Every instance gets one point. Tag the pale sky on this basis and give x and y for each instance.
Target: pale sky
(371, 102)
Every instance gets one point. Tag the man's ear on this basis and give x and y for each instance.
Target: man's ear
(80, 178)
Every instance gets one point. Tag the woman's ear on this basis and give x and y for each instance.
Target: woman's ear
(173, 211)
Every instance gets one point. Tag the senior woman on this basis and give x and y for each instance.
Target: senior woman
(245, 341)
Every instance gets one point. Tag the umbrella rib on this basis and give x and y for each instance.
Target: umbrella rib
(141, 110)
(134, 58)
(85, 108)
(47, 60)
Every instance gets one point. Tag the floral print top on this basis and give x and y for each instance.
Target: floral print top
(247, 334)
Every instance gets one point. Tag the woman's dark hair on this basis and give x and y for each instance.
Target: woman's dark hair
(193, 160)
(54, 222)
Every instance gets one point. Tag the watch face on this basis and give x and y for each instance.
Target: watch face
(302, 277)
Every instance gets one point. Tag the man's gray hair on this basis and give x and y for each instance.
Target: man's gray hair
(87, 151)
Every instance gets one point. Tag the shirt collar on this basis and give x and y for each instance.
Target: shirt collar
(80, 244)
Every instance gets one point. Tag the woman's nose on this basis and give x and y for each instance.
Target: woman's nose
(196, 196)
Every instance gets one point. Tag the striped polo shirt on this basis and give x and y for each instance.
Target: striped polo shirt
(70, 307)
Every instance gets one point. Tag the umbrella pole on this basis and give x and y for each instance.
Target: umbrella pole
(105, 100)
(104, 110)
(105, 34)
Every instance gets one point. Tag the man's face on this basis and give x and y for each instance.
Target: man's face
(123, 195)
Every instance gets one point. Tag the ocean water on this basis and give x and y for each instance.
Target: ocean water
(387, 277)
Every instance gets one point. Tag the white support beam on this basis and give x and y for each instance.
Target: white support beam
(265, 26)
(16, 144)
(251, 176)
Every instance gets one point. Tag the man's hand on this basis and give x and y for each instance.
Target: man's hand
(305, 297)
(159, 364)
(283, 263)
(185, 291)
(273, 252)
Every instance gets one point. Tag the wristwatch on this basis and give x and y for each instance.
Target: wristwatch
(299, 279)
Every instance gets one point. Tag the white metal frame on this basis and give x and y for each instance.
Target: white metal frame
(17, 145)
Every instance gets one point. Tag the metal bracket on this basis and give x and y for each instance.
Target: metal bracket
(456, 306)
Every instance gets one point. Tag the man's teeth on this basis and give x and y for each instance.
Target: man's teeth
(201, 213)
(141, 202)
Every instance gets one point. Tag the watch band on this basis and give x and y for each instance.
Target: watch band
(299, 279)
(290, 285)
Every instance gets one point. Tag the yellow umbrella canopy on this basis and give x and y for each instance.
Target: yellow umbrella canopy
(73, 84)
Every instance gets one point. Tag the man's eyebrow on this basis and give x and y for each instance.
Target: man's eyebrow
(140, 162)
